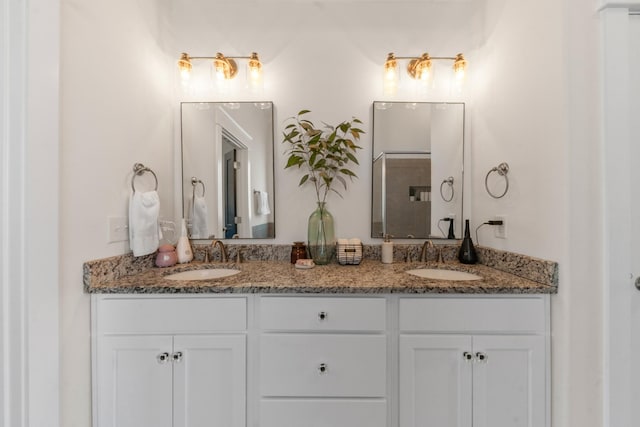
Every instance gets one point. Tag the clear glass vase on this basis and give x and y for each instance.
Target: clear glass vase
(320, 235)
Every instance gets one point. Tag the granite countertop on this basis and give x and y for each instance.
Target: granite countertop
(370, 277)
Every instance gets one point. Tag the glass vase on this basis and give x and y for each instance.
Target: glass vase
(320, 235)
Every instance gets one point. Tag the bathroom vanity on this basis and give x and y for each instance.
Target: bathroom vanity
(335, 346)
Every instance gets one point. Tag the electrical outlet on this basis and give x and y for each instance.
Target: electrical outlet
(500, 231)
(117, 229)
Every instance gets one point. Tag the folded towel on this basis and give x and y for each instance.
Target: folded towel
(144, 233)
(199, 224)
(262, 203)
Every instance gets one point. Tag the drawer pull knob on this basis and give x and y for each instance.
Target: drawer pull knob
(468, 357)
(162, 357)
(323, 315)
(481, 357)
(177, 357)
(322, 369)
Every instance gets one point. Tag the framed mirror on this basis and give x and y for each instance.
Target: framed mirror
(417, 178)
(227, 170)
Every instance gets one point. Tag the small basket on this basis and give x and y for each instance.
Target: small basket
(349, 254)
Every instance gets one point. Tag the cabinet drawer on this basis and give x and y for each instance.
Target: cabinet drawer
(323, 413)
(323, 314)
(170, 315)
(522, 315)
(323, 365)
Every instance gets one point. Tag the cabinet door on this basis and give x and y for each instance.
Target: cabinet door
(509, 384)
(209, 381)
(435, 381)
(134, 381)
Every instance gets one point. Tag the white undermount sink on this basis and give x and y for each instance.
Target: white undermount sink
(204, 274)
(437, 274)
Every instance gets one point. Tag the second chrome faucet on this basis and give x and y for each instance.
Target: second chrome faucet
(223, 251)
(424, 253)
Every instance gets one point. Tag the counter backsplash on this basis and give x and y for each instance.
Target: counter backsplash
(538, 270)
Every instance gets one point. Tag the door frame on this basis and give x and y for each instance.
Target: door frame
(29, 212)
(618, 275)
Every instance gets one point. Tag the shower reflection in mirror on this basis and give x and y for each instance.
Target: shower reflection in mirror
(227, 149)
(417, 170)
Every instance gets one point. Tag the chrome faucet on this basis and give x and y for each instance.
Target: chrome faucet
(424, 255)
(223, 251)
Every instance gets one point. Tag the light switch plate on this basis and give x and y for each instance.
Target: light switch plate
(117, 229)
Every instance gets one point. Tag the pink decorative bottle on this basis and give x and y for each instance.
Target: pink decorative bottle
(167, 256)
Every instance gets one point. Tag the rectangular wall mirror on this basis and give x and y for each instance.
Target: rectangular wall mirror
(418, 158)
(227, 170)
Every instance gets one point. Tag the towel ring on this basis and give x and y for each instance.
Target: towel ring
(502, 169)
(139, 169)
(450, 182)
(195, 181)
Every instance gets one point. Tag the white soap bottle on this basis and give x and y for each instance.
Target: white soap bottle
(387, 250)
(183, 248)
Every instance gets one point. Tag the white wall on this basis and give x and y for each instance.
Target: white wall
(524, 107)
(535, 106)
(326, 57)
(116, 111)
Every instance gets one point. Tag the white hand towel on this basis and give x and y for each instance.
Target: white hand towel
(262, 203)
(144, 233)
(199, 225)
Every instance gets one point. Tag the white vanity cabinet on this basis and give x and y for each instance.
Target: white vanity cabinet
(322, 361)
(175, 361)
(477, 362)
(276, 360)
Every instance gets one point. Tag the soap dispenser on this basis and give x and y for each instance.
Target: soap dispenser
(183, 248)
(450, 235)
(467, 253)
(387, 250)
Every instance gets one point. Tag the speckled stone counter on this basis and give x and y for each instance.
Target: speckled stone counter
(126, 274)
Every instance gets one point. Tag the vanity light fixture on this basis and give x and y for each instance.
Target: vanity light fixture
(419, 68)
(225, 67)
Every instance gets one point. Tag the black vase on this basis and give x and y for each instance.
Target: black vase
(467, 253)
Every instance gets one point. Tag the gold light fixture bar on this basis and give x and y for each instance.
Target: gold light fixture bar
(225, 66)
(420, 66)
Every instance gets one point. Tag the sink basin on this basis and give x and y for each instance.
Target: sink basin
(204, 274)
(437, 274)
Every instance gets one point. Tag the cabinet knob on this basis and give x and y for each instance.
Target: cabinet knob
(323, 368)
(162, 357)
(177, 357)
(468, 357)
(323, 315)
(481, 357)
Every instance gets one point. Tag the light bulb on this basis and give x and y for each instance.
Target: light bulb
(459, 67)
(254, 72)
(391, 75)
(221, 73)
(184, 65)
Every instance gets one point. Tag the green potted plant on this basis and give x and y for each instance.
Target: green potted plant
(327, 154)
